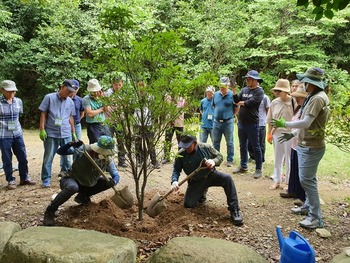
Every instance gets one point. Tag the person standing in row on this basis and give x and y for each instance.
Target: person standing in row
(281, 106)
(56, 127)
(95, 112)
(224, 111)
(263, 110)
(11, 135)
(311, 143)
(207, 110)
(249, 99)
(79, 111)
(114, 129)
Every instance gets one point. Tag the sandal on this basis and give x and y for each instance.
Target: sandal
(275, 186)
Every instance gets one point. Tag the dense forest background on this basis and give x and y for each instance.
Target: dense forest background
(44, 42)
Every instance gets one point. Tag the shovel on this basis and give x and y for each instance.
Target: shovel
(122, 198)
(157, 204)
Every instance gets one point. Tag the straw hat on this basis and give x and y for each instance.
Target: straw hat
(282, 85)
(299, 93)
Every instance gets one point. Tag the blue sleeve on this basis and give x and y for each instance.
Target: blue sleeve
(113, 171)
(176, 170)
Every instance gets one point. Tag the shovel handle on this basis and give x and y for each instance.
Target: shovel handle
(199, 168)
(87, 155)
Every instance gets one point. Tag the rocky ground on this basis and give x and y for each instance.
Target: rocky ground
(262, 210)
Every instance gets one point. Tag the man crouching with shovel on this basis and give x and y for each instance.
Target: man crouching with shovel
(198, 185)
(83, 177)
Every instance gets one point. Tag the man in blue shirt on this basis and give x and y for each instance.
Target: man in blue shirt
(207, 110)
(223, 118)
(56, 127)
(11, 135)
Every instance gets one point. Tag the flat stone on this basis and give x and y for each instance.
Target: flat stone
(322, 232)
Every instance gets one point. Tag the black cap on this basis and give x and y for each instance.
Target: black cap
(186, 141)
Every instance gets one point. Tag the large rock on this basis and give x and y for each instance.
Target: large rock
(343, 257)
(7, 229)
(209, 250)
(67, 245)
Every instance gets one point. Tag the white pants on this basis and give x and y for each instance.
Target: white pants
(282, 153)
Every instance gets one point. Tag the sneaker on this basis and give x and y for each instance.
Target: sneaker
(229, 164)
(27, 182)
(12, 185)
(165, 161)
(302, 210)
(257, 173)
(236, 217)
(311, 223)
(45, 185)
(49, 217)
(240, 170)
(124, 165)
(82, 199)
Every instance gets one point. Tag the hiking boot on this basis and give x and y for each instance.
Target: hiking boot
(240, 170)
(82, 199)
(302, 210)
(257, 173)
(27, 182)
(12, 185)
(49, 217)
(311, 223)
(236, 217)
(229, 164)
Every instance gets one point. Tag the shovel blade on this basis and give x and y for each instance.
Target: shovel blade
(155, 206)
(124, 198)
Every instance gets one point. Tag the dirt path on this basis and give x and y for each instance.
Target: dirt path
(262, 210)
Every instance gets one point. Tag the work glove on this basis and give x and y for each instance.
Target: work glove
(110, 182)
(76, 144)
(175, 186)
(43, 135)
(269, 138)
(209, 163)
(286, 136)
(74, 136)
(280, 123)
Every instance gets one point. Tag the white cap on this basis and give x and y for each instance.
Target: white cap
(9, 85)
(93, 85)
(210, 89)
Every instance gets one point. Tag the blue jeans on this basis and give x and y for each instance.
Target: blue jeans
(50, 147)
(203, 135)
(16, 145)
(308, 159)
(226, 129)
(249, 133)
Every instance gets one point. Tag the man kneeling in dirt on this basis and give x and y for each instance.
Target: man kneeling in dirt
(83, 178)
(198, 185)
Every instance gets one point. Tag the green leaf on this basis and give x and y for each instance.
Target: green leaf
(303, 3)
(329, 14)
(317, 10)
(318, 16)
(316, 2)
(342, 4)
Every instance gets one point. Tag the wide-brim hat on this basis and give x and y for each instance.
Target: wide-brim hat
(186, 141)
(254, 75)
(282, 85)
(9, 85)
(93, 85)
(313, 76)
(299, 93)
(105, 145)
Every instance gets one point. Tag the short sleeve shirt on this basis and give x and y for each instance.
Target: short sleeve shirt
(207, 110)
(78, 103)
(58, 112)
(90, 102)
(318, 107)
(9, 118)
(224, 105)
